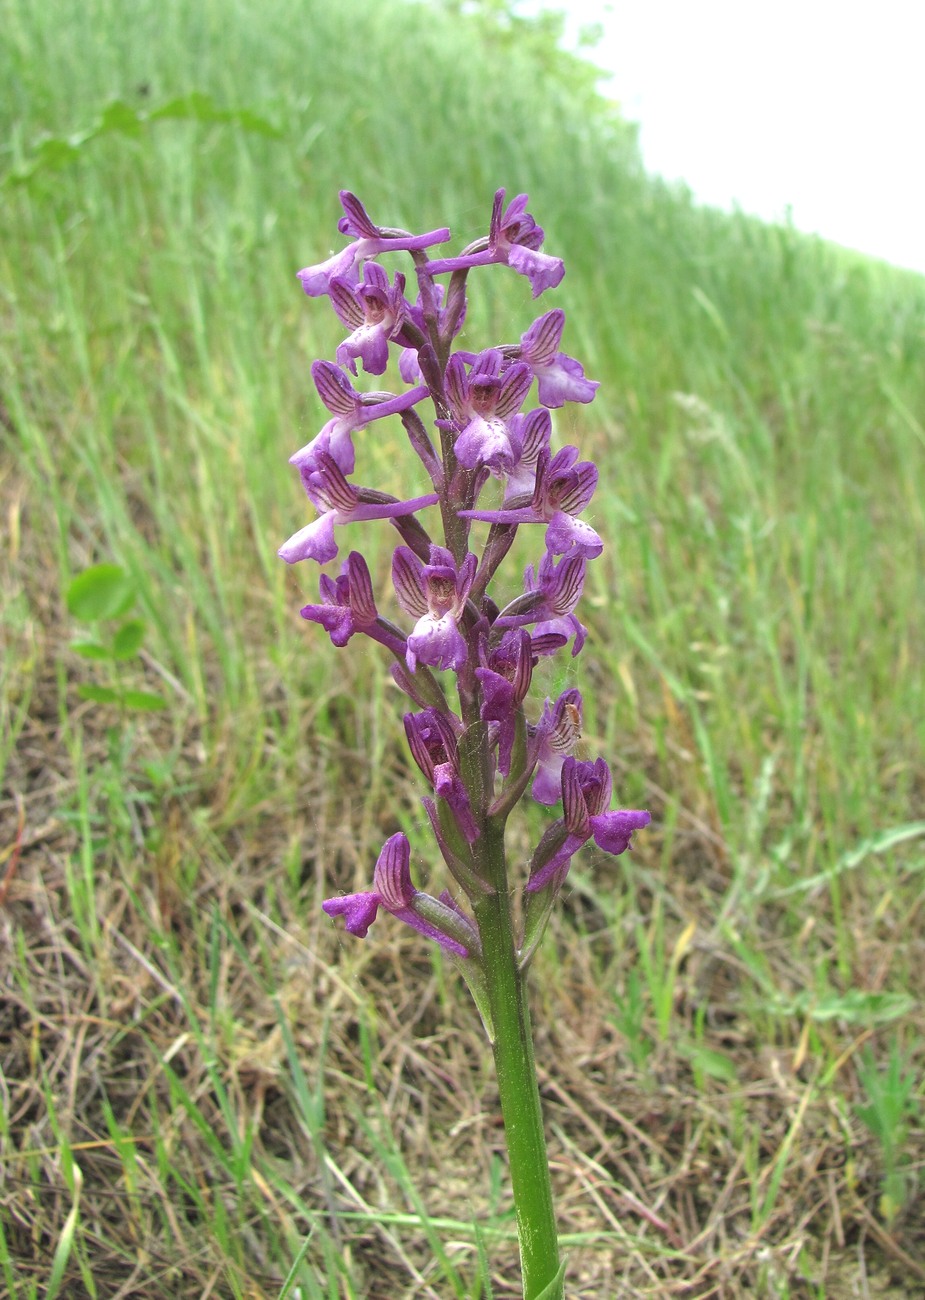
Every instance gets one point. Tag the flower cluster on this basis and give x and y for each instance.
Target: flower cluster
(489, 461)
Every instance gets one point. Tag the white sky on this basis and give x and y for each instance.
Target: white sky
(818, 106)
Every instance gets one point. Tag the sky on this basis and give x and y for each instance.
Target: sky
(814, 107)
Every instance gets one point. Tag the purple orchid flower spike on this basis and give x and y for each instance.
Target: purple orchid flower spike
(375, 311)
(560, 378)
(369, 240)
(350, 411)
(436, 595)
(563, 489)
(556, 735)
(393, 891)
(481, 403)
(514, 238)
(475, 738)
(586, 792)
(339, 502)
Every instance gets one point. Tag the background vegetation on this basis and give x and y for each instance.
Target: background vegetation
(206, 1089)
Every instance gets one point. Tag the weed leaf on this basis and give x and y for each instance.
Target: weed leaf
(99, 694)
(146, 701)
(119, 118)
(203, 108)
(103, 591)
(127, 641)
(91, 650)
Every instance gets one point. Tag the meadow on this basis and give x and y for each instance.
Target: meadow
(206, 1090)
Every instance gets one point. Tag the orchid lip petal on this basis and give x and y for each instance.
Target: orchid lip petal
(613, 831)
(360, 911)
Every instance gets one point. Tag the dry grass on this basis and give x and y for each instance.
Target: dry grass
(158, 1062)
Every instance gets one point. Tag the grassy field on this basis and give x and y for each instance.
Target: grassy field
(206, 1090)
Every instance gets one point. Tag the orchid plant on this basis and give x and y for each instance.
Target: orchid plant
(464, 660)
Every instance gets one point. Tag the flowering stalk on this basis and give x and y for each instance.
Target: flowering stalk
(488, 462)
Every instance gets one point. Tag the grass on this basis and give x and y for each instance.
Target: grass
(206, 1090)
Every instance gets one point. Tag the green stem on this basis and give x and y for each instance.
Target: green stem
(516, 1070)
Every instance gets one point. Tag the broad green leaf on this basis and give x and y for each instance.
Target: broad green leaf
(100, 694)
(91, 650)
(121, 117)
(146, 701)
(127, 641)
(53, 152)
(103, 591)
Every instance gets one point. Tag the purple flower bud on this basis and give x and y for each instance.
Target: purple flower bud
(505, 681)
(593, 785)
(585, 786)
(431, 739)
(430, 304)
(432, 742)
(349, 605)
(513, 659)
(563, 490)
(516, 234)
(449, 786)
